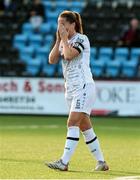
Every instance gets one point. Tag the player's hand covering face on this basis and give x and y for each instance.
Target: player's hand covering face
(63, 32)
(58, 35)
(64, 28)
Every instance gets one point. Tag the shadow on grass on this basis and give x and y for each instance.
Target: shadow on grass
(84, 172)
(110, 172)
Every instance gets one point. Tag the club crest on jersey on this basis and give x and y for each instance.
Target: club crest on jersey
(79, 40)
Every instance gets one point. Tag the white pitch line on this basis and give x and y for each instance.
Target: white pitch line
(30, 127)
(118, 128)
(35, 126)
(57, 126)
(127, 178)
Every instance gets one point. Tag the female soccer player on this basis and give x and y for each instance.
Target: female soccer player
(74, 48)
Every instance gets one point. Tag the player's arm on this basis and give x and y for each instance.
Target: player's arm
(54, 54)
(70, 52)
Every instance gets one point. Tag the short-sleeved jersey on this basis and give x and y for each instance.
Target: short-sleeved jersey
(77, 72)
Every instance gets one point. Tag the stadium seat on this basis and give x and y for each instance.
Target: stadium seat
(106, 52)
(93, 52)
(129, 68)
(113, 68)
(27, 28)
(121, 53)
(77, 6)
(59, 69)
(62, 5)
(19, 66)
(104, 60)
(48, 41)
(52, 16)
(53, 28)
(135, 53)
(4, 66)
(45, 28)
(49, 70)
(20, 41)
(42, 53)
(49, 38)
(35, 40)
(52, 20)
(33, 66)
(98, 67)
(26, 53)
(48, 5)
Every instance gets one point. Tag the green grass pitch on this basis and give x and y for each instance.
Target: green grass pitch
(27, 141)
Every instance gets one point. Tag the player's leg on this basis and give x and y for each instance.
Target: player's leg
(93, 143)
(73, 124)
(72, 139)
(91, 139)
(87, 101)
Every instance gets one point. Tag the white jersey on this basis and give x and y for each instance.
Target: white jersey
(77, 72)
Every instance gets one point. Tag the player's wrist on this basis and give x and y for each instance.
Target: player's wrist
(65, 41)
(58, 41)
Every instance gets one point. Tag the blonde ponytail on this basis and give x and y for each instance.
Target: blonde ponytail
(78, 22)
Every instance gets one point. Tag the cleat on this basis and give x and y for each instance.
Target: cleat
(101, 166)
(58, 165)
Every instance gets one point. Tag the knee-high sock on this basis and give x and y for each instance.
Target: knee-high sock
(92, 141)
(71, 143)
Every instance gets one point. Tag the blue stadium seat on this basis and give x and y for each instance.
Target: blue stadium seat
(62, 5)
(49, 70)
(106, 52)
(113, 68)
(52, 20)
(59, 69)
(42, 52)
(104, 60)
(121, 53)
(20, 41)
(27, 28)
(48, 41)
(26, 53)
(54, 28)
(77, 6)
(48, 5)
(135, 53)
(45, 28)
(49, 38)
(35, 40)
(52, 16)
(93, 52)
(129, 68)
(98, 67)
(33, 66)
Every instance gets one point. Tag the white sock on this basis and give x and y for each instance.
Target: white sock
(71, 143)
(93, 144)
